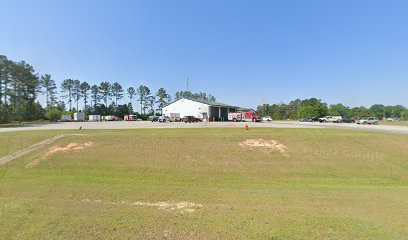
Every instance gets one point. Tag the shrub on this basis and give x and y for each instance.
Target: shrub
(53, 114)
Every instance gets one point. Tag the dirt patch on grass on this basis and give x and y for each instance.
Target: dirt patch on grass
(183, 207)
(264, 143)
(58, 148)
(70, 146)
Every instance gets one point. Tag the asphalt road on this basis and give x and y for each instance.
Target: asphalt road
(353, 126)
(273, 124)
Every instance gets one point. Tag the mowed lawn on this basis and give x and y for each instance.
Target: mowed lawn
(134, 184)
(11, 142)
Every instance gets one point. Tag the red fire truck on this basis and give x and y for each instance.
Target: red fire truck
(243, 117)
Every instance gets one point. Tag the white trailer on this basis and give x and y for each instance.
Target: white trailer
(79, 116)
(175, 117)
(94, 118)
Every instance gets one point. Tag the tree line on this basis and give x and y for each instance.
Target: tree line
(20, 87)
(198, 96)
(313, 108)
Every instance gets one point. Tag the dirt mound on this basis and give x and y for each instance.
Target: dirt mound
(263, 143)
(58, 148)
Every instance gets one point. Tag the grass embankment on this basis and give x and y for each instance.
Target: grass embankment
(330, 184)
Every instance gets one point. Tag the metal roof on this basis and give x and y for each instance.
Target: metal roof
(211, 103)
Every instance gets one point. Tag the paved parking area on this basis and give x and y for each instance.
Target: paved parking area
(146, 124)
(273, 124)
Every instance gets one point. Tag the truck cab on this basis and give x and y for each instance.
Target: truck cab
(251, 116)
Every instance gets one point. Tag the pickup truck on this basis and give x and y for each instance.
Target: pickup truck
(332, 119)
(190, 119)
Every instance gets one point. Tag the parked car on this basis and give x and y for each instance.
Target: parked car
(153, 118)
(368, 120)
(189, 119)
(164, 119)
(306, 120)
(347, 120)
(266, 119)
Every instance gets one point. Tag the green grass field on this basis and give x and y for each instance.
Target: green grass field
(329, 184)
(11, 142)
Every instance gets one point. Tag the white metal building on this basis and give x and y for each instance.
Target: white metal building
(205, 110)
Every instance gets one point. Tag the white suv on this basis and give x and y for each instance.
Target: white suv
(368, 120)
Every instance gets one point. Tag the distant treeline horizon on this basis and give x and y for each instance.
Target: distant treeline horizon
(21, 86)
(314, 107)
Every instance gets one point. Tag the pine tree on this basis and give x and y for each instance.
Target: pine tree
(66, 88)
(84, 88)
(76, 93)
(117, 92)
(95, 95)
(131, 92)
(106, 92)
(50, 90)
(144, 93)
(163, 98)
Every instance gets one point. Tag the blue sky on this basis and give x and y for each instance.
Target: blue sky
(243, 52)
